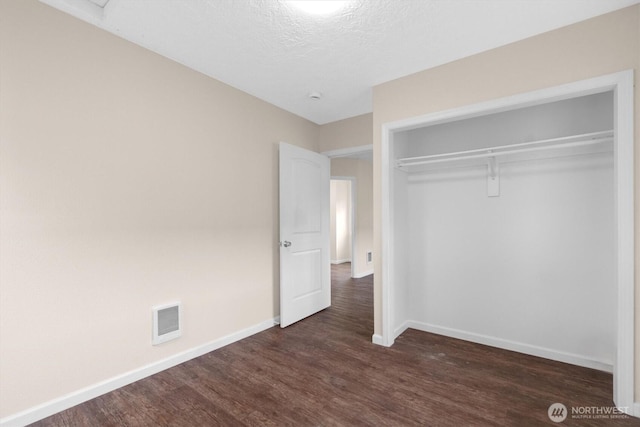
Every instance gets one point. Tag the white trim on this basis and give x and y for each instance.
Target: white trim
(377, 339)
(547, 353)
(622, 85)
(635, 410)
(386, 266)
(624, 374)
(354, 228)
(54, 406)
(340, 261)
(363, 274)
(400, 329)
(347, 152)
(529, 99)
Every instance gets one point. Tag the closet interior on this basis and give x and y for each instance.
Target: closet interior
(504, 230)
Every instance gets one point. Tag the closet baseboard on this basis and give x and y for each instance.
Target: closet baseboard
(547, 353)
(363, 274)
(46, 409)
(400, 329)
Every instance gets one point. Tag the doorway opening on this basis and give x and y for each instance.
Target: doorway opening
(356, 166)
(342, 219)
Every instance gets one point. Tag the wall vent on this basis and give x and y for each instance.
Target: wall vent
(369, 257)
(167, 322)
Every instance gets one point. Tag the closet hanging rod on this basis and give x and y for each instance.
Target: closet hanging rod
(489, 153)
(502, 150)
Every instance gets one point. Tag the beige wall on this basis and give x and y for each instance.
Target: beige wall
(347, 133)
(599, 46)
(362, 171)
(127, 181)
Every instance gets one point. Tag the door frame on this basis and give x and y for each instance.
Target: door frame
(357, 152)
(622, 85)
(353, 213)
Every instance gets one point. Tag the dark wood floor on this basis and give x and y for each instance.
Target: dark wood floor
(324, 371)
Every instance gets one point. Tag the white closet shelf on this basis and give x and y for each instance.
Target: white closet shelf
(504, 150)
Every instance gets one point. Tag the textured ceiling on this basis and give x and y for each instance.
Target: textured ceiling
(273, 51)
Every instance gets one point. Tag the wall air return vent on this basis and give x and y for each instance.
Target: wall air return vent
(167, 322)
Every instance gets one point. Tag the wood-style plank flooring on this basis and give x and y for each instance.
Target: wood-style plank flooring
(324, 371)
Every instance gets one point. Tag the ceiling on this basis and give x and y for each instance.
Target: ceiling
(270, 49)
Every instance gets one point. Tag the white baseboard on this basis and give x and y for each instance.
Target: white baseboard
(560, 356)
(340, 261)
(46, 409)
(363, 274)
(635, 410)
(400, 329)
(377, 339)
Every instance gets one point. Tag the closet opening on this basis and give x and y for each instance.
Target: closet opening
(510, 223)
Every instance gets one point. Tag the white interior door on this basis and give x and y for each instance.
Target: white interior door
(305, 269)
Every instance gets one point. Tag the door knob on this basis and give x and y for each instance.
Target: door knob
(286, 243)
